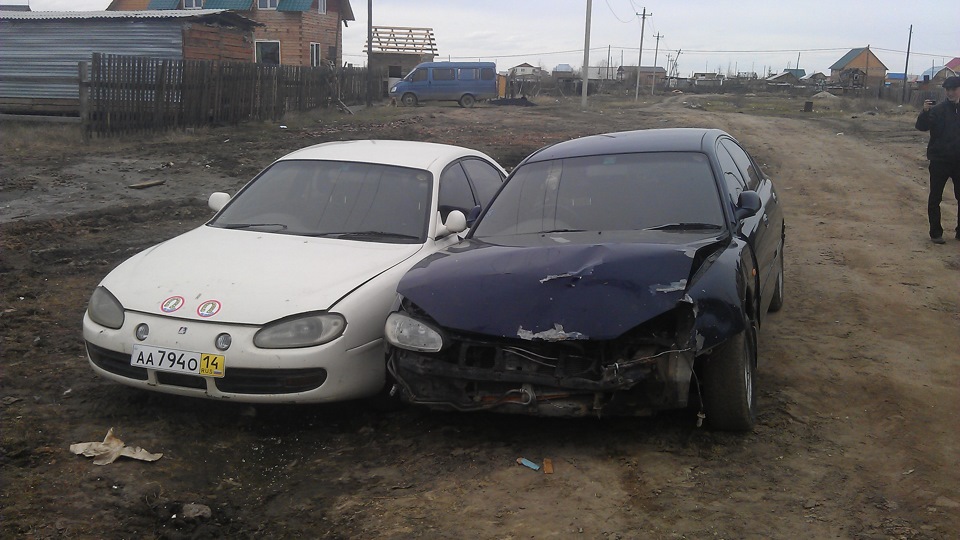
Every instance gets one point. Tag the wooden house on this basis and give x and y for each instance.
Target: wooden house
(293, 32)
(859, 68)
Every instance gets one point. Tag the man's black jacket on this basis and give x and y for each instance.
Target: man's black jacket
(943, 123)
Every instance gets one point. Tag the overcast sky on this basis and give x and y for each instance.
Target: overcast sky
(711, 35)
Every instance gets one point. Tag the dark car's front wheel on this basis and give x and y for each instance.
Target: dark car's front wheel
(409, 100)
(728, 375)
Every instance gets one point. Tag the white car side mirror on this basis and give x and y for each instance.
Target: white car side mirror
(218, 200)
(456, 223)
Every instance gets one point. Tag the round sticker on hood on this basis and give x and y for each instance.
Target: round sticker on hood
(209, 308)
(172, 304)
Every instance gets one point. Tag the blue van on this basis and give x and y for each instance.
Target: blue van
(463, 82)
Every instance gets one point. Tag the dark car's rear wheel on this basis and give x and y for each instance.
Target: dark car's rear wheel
(728, 375)
(777, 301)
(409, 100)
(467, 101)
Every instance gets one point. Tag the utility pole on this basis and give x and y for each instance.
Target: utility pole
(643, 22)
(369, 53)
(585, 75)
(903, 95)
(656, 50)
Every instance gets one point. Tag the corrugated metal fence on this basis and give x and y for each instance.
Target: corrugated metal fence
(126, 94)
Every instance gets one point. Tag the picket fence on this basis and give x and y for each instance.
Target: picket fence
(128, 94)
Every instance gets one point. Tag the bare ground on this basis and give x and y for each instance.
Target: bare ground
(857, 434)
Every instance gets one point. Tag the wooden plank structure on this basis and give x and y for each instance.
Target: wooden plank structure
(127, 94)
(403, 40)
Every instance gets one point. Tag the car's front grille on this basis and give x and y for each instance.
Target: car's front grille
(179, 379)
(271, 381)
(236, 380)
(115, 362)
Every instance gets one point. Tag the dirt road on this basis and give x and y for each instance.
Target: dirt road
(859, 388)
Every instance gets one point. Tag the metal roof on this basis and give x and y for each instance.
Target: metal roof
(240, 5)
(294, 5)
(164, 4)
(151, 14)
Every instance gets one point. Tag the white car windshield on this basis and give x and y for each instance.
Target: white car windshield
(621, 192)
(353, 201)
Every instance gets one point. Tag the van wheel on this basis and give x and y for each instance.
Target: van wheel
(409, 100)
(467, 100)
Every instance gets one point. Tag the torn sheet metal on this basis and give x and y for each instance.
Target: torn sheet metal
(110, 449)
(554, 334)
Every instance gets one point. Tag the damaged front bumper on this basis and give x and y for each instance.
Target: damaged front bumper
(561, 374)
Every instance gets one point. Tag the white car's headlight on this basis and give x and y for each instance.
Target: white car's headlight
(408, 333)
(104, 308)
(302, 331)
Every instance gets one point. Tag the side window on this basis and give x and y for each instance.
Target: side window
(744, 163)
(486, 179)
(444, 74)
(488, 74)
(455, 191)
(419, 75)
(268, 52)
(731, 175)
(468, 74)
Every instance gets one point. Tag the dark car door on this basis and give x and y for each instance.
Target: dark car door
(764, 230)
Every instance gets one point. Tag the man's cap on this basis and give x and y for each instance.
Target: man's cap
(952, 82)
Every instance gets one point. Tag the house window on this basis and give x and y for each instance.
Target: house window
(267, 4)
(268, 52)
(192, 4)
(322, 6)
(315, 54)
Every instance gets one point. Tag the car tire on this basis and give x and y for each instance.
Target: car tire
(776, 303)
(728, 397)
(409, 100)
(467, 101)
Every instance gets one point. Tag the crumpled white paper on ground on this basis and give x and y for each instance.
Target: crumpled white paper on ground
(110, 449)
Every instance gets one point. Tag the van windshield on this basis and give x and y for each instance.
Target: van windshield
(416, 75)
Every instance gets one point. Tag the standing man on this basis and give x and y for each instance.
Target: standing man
(943, 151)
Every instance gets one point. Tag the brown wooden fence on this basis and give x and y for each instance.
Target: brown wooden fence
(126, 94)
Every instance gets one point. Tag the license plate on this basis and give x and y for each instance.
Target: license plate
(176, 361)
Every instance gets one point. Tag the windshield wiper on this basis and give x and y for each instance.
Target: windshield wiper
(251, 225)
(561, 230)
(685, 227)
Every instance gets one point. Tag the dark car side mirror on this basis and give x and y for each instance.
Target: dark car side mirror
(473, 215)
(748, 204)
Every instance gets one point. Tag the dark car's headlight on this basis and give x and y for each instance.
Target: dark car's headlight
(301, 331)
(406, 332)
(104, 308)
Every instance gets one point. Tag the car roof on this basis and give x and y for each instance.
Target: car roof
(412, 154)
(623, 142)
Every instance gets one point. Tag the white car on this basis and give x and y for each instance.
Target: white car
(282, 296)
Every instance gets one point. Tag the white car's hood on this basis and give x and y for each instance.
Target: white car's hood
(248, 277)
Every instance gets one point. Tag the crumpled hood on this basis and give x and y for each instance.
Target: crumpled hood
(251, 277)
(551, 291)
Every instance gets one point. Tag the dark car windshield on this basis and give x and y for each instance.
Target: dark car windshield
(355, 201)
(667, 191)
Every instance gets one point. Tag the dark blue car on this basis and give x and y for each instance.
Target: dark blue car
(622, 273)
